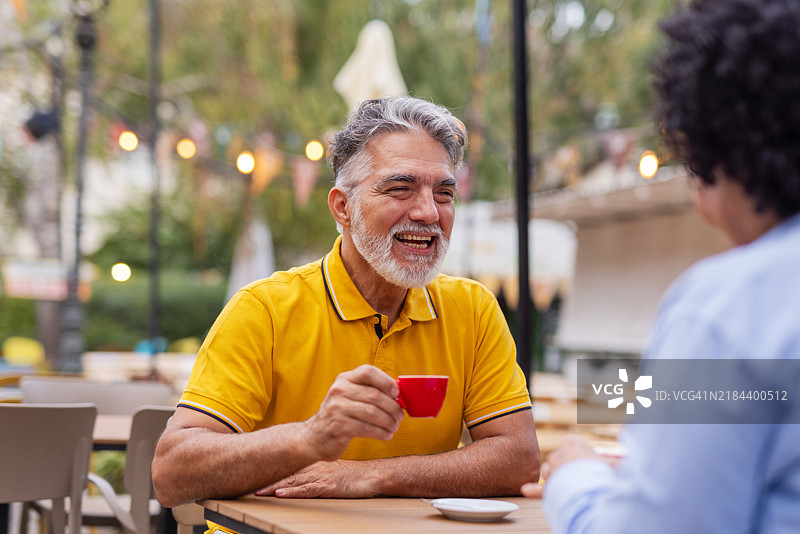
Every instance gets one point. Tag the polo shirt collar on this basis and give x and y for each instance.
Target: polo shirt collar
(350, 305)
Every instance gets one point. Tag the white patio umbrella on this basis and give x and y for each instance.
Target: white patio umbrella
(372, 70)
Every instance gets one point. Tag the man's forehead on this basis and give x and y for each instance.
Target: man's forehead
(408, 150)
(381, 142)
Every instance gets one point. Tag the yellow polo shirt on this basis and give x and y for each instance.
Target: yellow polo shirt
(279, 344)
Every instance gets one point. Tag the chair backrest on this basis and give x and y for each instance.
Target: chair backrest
(111, 398)
(147, 425)
(44, 454)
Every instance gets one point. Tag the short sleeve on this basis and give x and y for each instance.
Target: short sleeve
(231, 379)
(498, 386)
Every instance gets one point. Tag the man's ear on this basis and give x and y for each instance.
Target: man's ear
(337, 204)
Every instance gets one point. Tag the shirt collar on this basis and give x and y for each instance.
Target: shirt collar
(350, 305)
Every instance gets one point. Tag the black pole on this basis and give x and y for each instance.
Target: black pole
(522, 169)
(4, 517)
(155, 99)
(72, 344)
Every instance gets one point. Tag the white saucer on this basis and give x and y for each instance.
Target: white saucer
(480, 510)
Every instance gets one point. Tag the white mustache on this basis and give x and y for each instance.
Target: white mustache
(417, 228)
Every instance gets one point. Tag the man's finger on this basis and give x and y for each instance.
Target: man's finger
(370, 422)
(364, 404)
(306, 491)
(365, 397)
(533, 490)
(369, 375)
(546, 470)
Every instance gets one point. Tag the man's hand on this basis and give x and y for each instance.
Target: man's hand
(360, 403)
(340, 479)
(572, 448)
(502, 456)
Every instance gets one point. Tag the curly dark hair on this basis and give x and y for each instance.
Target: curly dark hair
(728, 84)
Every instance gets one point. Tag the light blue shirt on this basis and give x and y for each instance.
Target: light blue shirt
(678, 479)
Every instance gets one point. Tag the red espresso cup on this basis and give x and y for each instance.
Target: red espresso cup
(422, 395)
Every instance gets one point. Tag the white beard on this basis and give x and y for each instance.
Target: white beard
(377, 251)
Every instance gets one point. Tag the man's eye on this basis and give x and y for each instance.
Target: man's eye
(398, 191)
(445, 196)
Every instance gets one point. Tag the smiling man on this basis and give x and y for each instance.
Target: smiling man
(293, 391)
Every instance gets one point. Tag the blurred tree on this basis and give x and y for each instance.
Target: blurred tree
(127, 240)
(254, 74)
(267, 74)
(251, 71)
(590, 68)
(31, 145)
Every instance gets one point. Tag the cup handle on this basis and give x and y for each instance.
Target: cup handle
(399, 397)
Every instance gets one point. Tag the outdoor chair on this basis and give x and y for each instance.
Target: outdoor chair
(190, 518)
(9, 382)
(9, 385)
(44, 454)
(111, 398)
(11, 377)
(137, 510)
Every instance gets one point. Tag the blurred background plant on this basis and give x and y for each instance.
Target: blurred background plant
(110, 465)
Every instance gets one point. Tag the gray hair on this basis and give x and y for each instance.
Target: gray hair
(373, 118)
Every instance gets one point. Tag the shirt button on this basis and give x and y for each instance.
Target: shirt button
(376, 320)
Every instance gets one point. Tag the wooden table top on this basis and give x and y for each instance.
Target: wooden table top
(111, 432)
(270, 515)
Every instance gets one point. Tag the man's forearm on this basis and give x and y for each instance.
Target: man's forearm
(197, 463)
(199, 457)
(496, 465)
(503, 456)
(489, 467)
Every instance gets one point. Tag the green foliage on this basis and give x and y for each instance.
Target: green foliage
(270, 66)
(252, 67)
(299, 234)
(256, 67)
(110, 465)
(195, 232)
(117, 314)
(17, 318)
(577, 68)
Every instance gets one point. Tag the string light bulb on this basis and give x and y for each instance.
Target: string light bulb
(648, 164)
(246, 162)
(314, 150)
(128, 141)
(186, 148)
(121, 272)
